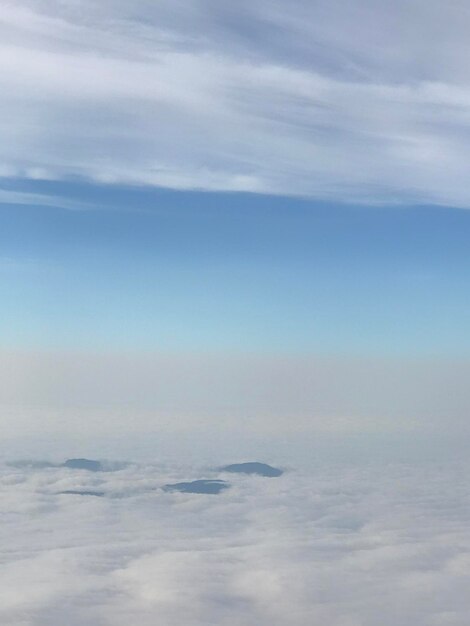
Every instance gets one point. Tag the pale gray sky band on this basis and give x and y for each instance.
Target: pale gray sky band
(116, 392)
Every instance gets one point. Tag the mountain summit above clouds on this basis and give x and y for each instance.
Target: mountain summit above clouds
(262, 469)
(199, 486)
(85, 464)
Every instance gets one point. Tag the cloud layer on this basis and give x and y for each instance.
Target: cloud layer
(342, 546)
(362, 103)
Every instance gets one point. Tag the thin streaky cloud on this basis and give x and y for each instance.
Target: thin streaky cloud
(364, 105)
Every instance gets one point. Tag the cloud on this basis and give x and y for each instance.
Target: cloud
(362, 104)
(39, 199)
(347, 546)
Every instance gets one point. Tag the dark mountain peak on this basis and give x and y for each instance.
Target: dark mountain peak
(262, 469)
(32, 464)
(199, 486)
(80, 492)
(85, 464)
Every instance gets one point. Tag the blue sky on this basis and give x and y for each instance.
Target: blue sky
(154, 269)
(235, 230)
(264, 209)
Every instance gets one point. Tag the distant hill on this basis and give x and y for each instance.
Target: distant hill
(79, 492)
(199, 486)
(85, 464)
(31, 464)
(262, 469)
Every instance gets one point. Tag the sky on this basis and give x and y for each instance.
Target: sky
(235, 231)
(234, 218)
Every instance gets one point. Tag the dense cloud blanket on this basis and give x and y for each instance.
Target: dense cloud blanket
(338, 546)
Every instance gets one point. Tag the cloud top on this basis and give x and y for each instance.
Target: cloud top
(344, 546)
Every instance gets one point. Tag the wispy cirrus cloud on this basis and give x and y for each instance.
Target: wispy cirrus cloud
(365, 103)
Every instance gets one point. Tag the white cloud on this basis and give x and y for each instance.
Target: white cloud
(347, 546)
(331, 100)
